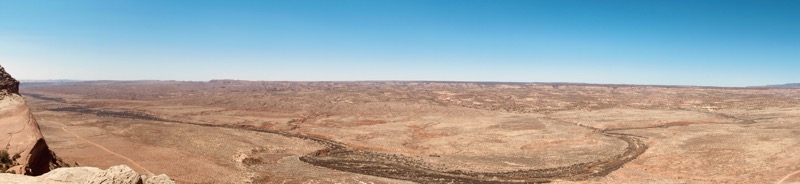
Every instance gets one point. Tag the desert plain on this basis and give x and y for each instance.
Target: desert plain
(229, 131)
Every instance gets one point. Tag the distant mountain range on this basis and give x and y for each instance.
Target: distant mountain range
(788, 85)
(46, 82)
(49, 81)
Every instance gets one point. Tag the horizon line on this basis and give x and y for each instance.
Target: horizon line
(785, 85)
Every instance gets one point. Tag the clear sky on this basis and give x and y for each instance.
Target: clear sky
(671, 42)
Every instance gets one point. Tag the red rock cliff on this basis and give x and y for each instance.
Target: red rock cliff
(19, 132)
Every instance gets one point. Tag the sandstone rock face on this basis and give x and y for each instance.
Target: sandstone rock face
(120, 174)
(20, 136)
(116, 175)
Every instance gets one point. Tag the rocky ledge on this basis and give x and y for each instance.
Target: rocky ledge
(120, 174)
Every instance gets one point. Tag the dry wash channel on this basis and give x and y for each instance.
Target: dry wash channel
(338, 156)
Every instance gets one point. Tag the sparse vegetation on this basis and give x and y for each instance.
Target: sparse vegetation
(249, 161)
(7, 161)
(435, 132)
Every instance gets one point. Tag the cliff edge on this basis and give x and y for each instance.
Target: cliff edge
(22, 146)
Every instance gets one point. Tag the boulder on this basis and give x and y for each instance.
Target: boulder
(22, 179)
(157, 179)
(71, 174)
(120, 174)
(116, 175)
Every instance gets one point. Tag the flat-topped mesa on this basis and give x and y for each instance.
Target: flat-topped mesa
(20, 138)
(8, 83)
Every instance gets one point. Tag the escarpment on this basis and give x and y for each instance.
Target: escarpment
(21, 142)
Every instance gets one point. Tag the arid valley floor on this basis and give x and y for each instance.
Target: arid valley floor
(227, 131)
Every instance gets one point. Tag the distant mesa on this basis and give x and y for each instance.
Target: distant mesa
(787, 85)
(49, 81)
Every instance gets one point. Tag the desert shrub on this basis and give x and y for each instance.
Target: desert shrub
(5, 161)
(249, 161)
(3, 156)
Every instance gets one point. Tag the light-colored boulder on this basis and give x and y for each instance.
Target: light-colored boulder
(157, 179)
(120, 174)
(6, 178)
(71, 174)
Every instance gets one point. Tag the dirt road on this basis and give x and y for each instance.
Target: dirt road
(788, 176)
(131, 161)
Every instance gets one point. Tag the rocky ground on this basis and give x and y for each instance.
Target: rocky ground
(427, 132)
(120, 174)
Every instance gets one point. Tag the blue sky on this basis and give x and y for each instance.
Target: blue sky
(675, 42)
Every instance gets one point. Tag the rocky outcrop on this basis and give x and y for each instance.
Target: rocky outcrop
(20, 136)
(120, 174)
(8, 83)
(116, 175)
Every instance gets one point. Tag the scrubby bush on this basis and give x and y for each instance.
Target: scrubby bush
(6, 161)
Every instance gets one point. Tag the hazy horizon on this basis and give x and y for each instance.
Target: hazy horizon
(700, 43)
(436, 81)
